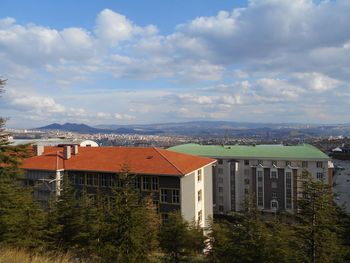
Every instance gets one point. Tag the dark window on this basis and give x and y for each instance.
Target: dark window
(304, 164)
(146, 183)
(137, 182)
(220, 161)
(154, 183)
(246, 162)
(319, 164)
(176, 196)
(199, 195)
(163, 195)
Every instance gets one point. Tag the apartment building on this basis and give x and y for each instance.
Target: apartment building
(271, 172)
(175, 181)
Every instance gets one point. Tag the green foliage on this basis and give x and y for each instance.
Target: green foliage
(21, 219)
(179, 239)
(318, 229)
(246, 238)
(127, 227)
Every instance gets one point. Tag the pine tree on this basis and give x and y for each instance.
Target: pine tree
(318, 225)
(63, 214)
(179, 239)
(125, 226)
(21, 218)
(247, 237)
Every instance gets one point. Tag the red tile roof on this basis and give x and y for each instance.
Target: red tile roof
(113, 159)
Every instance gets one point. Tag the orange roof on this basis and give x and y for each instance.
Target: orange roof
(113, 159)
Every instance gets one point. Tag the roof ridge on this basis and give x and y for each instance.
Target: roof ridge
(157, 150)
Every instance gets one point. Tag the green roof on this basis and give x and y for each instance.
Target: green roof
(264, 151)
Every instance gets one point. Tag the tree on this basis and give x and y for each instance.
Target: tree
(247, 237)
(318, 229)
(63, 214)
(21, 218)
(127, 225)
(179, 239)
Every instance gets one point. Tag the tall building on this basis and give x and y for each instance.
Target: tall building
(271, 172)
(175, 181)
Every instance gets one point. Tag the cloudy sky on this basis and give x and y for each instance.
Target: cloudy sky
(121, 62)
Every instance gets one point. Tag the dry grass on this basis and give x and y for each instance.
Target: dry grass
(21, 256)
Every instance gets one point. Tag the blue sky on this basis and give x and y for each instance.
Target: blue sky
(159, 61)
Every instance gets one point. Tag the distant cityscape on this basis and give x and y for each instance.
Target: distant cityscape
(207, 133)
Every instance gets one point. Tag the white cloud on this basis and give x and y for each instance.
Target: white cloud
(317, 81)
(112, 27)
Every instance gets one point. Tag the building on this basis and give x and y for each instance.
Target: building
(175, 181)
(270, 172)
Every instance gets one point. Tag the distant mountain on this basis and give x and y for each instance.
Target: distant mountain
(83, 128)
(213, 129)
(73, 127)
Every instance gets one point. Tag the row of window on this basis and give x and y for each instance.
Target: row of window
(304, 164)
(145, 183)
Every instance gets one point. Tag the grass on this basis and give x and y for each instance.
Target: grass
(8, 255)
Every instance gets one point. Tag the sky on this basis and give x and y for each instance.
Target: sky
(128, 62)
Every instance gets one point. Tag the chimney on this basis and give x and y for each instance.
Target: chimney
(67, 152)
(38, 149)
(75, 149)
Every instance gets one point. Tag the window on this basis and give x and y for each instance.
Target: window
(273, 174)
(176, 196)
(220, 161)
(199, 175)
(288, 163)
(163, 195)
(199, 216)
(288, 175)
(274, 204)
(103, 178)
(319, 164)
(89, 179)
(274, 163)
(220, 170)
(221, 180)
(246, 181)
(221, 189)
(274, 185)
(146, 183)
(95, 179)
(199, 195)
(274, 195)
(260, 193)
(137, 182)
(79, 179)
(246, 162)
(154, 181)
(319, 176)
(304, 164)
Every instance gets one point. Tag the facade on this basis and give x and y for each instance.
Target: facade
(271, 172)
(174, 180)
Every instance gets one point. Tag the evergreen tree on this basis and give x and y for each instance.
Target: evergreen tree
(178, 239)
(247, 237)
(318, 225)
(63, 214)
(21, 218)
(126, 227)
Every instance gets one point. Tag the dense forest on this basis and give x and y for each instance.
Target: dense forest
(125, 227)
